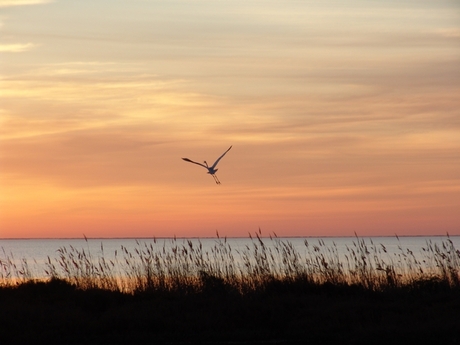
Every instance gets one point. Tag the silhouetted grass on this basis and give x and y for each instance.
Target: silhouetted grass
(188, 268)
(266, 293)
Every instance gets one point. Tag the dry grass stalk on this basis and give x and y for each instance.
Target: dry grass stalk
(188, 268)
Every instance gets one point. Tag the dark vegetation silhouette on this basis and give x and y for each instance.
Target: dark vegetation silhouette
(262, 294)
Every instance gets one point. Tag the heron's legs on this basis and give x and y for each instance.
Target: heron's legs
(215, 179)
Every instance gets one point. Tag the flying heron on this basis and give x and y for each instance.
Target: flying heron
(211, 169)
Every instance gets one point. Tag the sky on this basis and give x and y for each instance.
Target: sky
(344, 118)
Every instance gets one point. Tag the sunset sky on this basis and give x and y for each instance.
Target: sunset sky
(344, 117)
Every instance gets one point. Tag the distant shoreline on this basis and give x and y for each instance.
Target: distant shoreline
(220, 237)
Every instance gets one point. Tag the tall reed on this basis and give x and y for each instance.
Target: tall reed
(186, 267)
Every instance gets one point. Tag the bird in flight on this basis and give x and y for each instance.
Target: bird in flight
(211, 169)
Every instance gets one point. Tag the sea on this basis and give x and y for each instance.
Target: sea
(37, 252)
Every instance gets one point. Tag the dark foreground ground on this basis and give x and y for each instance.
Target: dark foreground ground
(58, 313)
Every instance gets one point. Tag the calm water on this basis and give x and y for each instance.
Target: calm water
(37, 251)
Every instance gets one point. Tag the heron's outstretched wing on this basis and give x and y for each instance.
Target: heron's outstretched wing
(218, 159)
(189, 160)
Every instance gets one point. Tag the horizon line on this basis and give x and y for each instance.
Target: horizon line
(212, 237)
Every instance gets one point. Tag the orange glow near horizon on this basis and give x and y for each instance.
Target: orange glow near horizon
(342, 119)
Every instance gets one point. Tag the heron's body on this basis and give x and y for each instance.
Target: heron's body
(211, 169)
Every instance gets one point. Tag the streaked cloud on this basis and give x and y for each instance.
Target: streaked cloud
(15, 47)
(449, 32)
(9, 3)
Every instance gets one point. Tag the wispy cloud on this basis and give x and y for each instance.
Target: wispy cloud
(449, 32)
(15, 47)
(9, 3)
